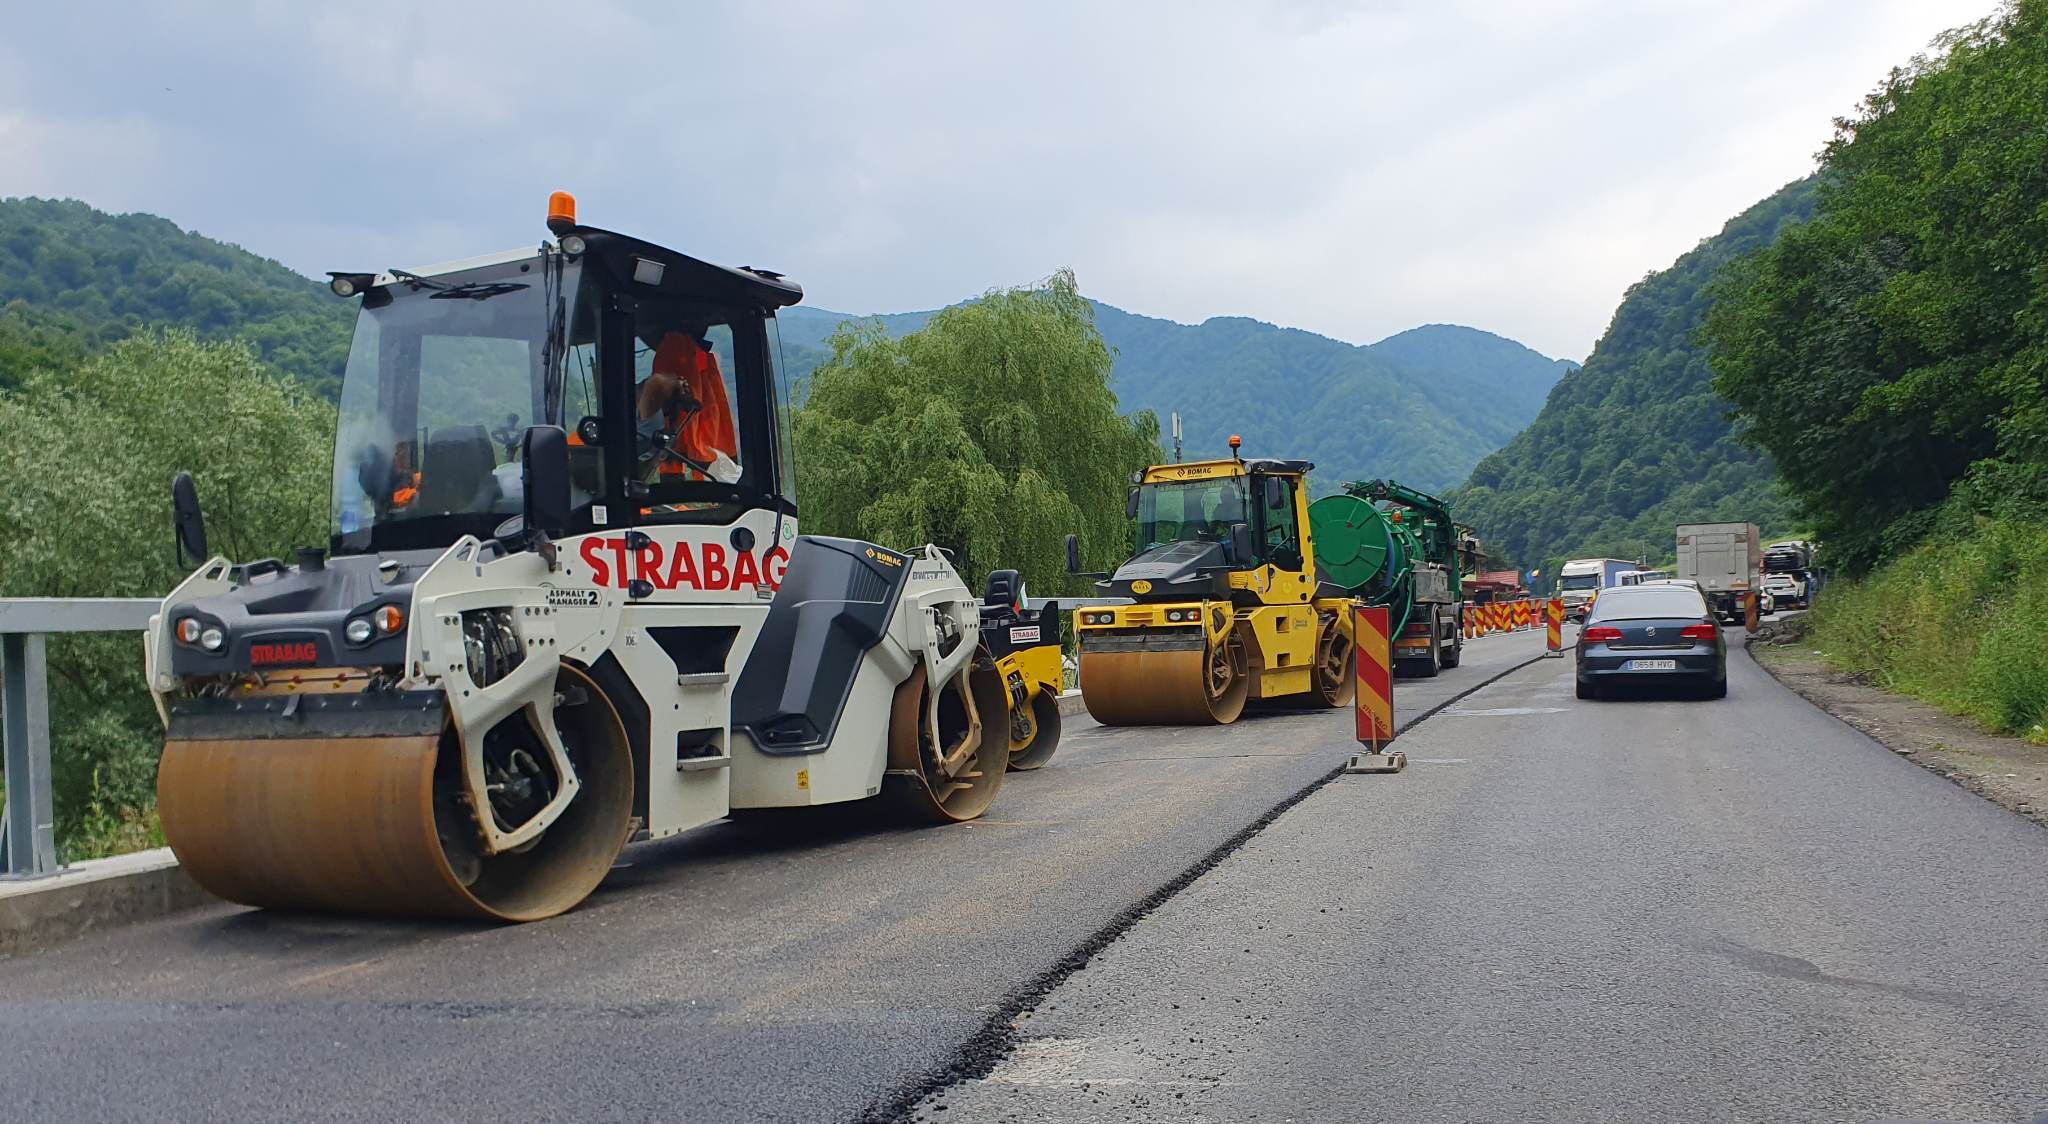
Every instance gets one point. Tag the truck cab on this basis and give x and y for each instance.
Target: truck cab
(1582, 579)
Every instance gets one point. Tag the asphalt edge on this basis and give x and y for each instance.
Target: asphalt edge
(997, 1037)
(1891, 743)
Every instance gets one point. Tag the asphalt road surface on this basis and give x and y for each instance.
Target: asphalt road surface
(1565, 911)
(783, 971)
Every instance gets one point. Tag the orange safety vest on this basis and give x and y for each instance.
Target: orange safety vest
(709, 431)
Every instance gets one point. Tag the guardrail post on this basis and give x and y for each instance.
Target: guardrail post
(31, 835)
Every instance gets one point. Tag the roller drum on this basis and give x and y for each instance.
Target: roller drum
(372, 825)
(1187, 687)
(949, 773)
(1034, 751)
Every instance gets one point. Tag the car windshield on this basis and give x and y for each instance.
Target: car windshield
(444, 375)
(1579, 581)
(1642, 602)
(1181, 511)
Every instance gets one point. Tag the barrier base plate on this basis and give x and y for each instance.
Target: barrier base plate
(1376, 763)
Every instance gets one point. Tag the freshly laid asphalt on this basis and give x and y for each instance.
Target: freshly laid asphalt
(798, 970)
(1637, 910)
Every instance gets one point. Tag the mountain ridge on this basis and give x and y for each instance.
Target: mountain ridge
(1637, 441)
(1431, 401)
(1422, 406)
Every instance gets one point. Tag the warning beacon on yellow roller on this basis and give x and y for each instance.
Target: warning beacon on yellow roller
(563, 604)
(1225, 609)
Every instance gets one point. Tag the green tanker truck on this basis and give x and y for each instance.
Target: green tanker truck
(1388, 544)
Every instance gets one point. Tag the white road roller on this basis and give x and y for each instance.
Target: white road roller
(564, 604)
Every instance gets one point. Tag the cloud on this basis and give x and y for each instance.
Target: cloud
(1352, 168)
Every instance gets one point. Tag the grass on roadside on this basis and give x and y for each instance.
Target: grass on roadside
(1961, 623)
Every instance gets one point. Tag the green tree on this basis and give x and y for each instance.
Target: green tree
(991, 431)
(1892, 355)
(85, 512)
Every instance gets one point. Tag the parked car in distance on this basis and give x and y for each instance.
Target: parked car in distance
(1787, 589)
(1660, 634)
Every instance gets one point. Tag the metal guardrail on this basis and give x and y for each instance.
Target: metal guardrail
(28, 847)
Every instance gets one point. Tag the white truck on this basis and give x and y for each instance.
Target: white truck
(1726, 559)
(1579, 579)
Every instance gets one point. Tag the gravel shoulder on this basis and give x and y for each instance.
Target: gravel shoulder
(2008, 771)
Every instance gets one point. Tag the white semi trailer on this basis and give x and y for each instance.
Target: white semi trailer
(1726, 559)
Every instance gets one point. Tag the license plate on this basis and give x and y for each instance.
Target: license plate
(1650, 665)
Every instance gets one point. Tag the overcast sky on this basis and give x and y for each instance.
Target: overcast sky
(1350, 168)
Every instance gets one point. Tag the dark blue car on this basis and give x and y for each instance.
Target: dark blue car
(1653, 635)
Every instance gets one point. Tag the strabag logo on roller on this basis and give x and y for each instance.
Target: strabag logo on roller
(683, 565)
(302, 652)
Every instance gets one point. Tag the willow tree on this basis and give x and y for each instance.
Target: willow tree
(992, 431)
(85, 511)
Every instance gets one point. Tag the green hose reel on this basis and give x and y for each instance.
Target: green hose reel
(1356, 544)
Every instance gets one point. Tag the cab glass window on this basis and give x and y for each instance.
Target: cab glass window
(583, 404)
(1280, 531)
(688, 446)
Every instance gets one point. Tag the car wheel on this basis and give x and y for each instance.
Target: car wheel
(1587, 690)
(1718, 689)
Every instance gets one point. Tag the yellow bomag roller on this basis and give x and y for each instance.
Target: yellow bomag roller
(1026, 645)
(1227, 608)
(564, 604)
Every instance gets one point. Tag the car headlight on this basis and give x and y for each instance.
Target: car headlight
(359, 630)
(188, 631)
(213, 639)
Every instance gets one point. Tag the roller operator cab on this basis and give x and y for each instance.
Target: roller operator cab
(563, 602)
(1225, 608)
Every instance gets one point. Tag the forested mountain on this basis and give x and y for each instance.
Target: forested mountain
(1422, 406)
(1636, 441)
(95, 278)
(1468, 365)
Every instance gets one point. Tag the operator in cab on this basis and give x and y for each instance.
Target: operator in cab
(685, 423)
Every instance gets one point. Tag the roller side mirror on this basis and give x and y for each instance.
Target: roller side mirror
(186, 520)
(544, 468)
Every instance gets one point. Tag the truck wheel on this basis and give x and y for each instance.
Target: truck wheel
(1456, 651)
(1427, 666)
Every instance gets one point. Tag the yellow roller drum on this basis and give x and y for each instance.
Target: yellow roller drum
(371, 825)
(1184, 687)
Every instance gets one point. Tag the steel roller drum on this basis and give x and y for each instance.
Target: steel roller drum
(348, 825)
(1177, 688)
